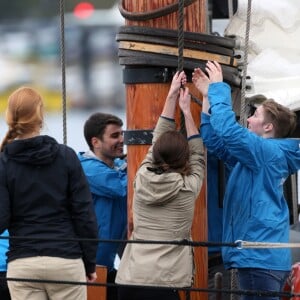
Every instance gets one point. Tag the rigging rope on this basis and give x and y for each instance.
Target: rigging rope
(189, 289)
(180, 41)
(180, 34)
(243, 121)
(63, 68)
(243, 117)
(260, 245)
(239, 244)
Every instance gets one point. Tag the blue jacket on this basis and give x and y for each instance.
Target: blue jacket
(3, 249)
(254, 205)
(109, 191)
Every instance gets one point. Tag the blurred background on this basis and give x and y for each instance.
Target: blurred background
(30, 54)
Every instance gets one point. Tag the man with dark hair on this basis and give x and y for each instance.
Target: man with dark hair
(106, 172)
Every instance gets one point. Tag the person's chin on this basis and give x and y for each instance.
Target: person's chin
(121, 155)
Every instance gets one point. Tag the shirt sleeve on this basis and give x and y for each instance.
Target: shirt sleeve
(213, 143)
(196, 163)
(105, 181)
(242, 144)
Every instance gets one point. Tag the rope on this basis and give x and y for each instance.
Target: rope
(156, 13)
(63, 69)
(243, 119)
(183, 242)
(180, 34)
(239, 244)
(261, 245)
(189, 289)
(180, 41)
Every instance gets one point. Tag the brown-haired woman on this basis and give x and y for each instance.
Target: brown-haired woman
(166, 187)
(44, 194)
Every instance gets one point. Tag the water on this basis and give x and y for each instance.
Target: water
(75, 121)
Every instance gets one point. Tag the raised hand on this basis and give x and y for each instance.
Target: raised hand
(201, 81)
(178, 80)
(185, 106)
(185, 100)
(214, 71)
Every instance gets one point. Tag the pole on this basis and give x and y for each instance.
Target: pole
(144, 103)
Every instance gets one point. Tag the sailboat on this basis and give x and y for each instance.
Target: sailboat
(259, 61)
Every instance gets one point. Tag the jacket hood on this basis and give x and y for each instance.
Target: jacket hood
(87, 155)
(154, 189)
(40, 150)
(291, 148)
(119, 164)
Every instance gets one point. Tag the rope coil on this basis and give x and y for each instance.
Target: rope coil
(154, 14)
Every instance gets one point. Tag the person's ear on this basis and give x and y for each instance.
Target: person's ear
(268, 127)
(95, 142)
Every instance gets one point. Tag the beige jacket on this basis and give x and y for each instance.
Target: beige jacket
(163, 209)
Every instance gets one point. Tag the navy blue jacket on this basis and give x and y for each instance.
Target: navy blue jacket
(44, 194)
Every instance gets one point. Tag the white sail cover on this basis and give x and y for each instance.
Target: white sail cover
(274, 48)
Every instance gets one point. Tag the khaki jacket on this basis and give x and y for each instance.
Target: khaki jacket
(163, 209)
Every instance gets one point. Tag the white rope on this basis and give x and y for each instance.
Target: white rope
(243, 117)
(259, 245)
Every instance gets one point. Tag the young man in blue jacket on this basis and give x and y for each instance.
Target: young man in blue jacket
(106, 172)
(260, 159)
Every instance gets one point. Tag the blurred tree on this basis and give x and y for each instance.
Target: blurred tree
(12, 9)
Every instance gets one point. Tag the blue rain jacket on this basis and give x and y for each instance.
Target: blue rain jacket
(254, 205)
(3, 249)
(109, 190)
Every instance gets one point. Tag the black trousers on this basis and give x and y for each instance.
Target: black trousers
(143, 293)
(112, 291)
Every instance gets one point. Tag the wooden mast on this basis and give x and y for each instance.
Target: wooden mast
(144, 104)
